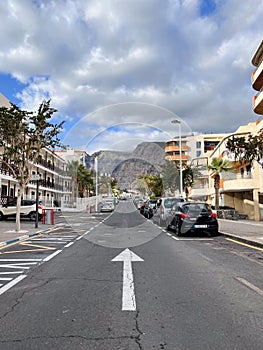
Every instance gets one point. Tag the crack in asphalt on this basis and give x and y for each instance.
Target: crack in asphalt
(140, 333)
(19, 299)
(67, 337)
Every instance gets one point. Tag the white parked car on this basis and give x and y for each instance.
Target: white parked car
(163, 206)
(107, 205)
(28, 209)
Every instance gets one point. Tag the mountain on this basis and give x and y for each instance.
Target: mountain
(146, 158)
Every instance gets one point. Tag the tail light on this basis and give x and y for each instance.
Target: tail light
(213, 215)
(183, 216)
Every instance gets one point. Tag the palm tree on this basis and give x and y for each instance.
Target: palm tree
(217, 166)
(72, 169)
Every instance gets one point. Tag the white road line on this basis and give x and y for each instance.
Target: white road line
(52, 255)
(205, 257)
(11, 284)
(20, 260)
(6, 278)
(79, 238)
(169, 234)
(69, 244)
(11, 273)
(18, 265)
(196, 239)
(250, 285)
(177, 239)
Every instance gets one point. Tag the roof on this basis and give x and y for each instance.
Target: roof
(4, 102)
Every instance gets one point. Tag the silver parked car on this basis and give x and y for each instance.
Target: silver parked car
(163, 206)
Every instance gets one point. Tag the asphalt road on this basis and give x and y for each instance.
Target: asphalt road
(185, 293)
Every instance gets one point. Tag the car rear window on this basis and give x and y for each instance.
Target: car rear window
(196, 208)
(170, 202)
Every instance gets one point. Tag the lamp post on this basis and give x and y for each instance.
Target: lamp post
(176, 121)
(96, 183)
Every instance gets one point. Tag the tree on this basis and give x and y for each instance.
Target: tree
(188, 179)
(22, 136)
(84, 180)
(247, 149)
(217, 166)
(170, 176)
(153, 184)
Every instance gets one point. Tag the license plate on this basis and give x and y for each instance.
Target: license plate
(200, 226)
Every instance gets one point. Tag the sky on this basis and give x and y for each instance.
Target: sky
(119, 71)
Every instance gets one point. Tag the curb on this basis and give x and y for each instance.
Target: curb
(243, 240)
(21, 238)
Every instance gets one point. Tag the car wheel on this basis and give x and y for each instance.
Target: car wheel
(2, 216)
(32, 216)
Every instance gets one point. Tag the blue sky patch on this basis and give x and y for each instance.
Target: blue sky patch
(207, 7)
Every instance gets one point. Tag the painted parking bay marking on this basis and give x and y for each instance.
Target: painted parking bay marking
(128, 294)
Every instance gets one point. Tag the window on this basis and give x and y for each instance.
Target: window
(198, 144)
(198, 153)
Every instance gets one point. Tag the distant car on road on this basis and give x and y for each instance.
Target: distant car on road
(28, 209)
(195, 217)
(163, 205)
(107, 205)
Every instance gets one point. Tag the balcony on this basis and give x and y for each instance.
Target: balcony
(238, 182)
(257, 77)
(257, 103)
(175, 148)
(177, 157)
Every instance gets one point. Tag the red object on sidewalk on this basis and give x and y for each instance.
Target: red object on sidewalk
(48, 216)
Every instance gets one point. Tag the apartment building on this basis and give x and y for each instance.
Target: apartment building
(54, 183)
(257, 79)
(241, 188)
(195, 152)
(72, 154)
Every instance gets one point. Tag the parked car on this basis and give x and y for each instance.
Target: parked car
(139, 204)
(149, 208)
(107, 205)
(193, 217)
(163, 205)
(28, 209)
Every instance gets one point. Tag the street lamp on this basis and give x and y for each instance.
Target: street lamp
(96, 182)
(176, 121)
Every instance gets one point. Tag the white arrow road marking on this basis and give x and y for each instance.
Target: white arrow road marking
(128, 295)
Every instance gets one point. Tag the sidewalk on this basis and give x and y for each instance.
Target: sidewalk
(246, 231)
(8, 234)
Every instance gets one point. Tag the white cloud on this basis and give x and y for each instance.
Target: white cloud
(88, 54)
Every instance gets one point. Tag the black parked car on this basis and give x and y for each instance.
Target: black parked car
(194, 217)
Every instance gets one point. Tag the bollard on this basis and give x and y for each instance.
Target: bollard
(48, 216)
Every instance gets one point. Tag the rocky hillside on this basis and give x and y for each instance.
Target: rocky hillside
(146, 158)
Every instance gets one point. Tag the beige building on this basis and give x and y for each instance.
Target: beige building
(241, 188)
(195, 152)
